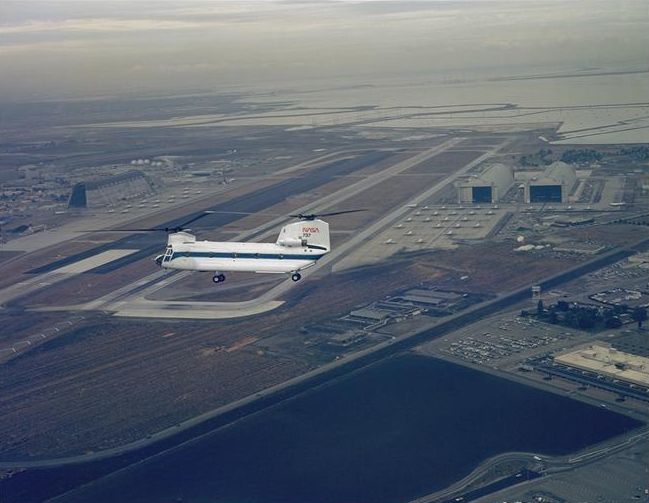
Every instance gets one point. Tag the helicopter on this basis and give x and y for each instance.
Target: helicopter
(299, 246)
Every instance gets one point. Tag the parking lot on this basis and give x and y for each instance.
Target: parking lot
(504, 341)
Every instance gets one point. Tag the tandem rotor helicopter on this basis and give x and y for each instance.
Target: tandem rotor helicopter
(299, 246)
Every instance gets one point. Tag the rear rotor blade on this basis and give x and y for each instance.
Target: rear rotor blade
(313, 216)
(340, 212)
(197, 217)
(260, 213)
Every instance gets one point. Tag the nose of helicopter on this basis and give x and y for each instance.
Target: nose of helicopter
(158, 259)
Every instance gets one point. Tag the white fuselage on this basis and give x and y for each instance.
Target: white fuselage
(236, 256)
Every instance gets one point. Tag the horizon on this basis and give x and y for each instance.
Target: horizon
(71, 49)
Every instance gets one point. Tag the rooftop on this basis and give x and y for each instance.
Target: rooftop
(610, 362)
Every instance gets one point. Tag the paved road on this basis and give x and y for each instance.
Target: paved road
(546, 464)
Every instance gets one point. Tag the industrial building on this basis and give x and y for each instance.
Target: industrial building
(488, 187)
(554, 186)
(110, 191)
(610, 362)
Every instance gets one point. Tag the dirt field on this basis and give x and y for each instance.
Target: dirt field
(109, 382)
(613, 234)
(18, 328)
(493, 267)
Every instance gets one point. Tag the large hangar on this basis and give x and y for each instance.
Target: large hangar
(554, 186)
(488, 187)
(110, 191)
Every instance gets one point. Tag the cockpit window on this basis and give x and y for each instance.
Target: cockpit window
(168, 254)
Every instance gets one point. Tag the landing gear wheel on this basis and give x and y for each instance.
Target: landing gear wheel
(296, 276)
(218, 278)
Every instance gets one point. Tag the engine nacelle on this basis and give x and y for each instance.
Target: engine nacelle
(291, 242)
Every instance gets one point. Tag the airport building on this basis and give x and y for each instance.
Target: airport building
(488, 187)
(110, 191)
(610, 362)
(554, 186)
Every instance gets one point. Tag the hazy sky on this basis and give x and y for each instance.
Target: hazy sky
(88, 48)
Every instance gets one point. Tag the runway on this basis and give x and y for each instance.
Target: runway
(148, 244)
(134, 300)
(137, 304)
(62, 273)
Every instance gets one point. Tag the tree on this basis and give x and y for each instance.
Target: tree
(586, 319)
(640, 315)
(613, 322)
(581, 155)
(571, 319)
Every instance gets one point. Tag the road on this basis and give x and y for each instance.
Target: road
(547, 465)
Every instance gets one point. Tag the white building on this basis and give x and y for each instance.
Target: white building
(554, 186)
(488, 187)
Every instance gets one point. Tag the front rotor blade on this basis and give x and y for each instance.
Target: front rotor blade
(127, 230)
